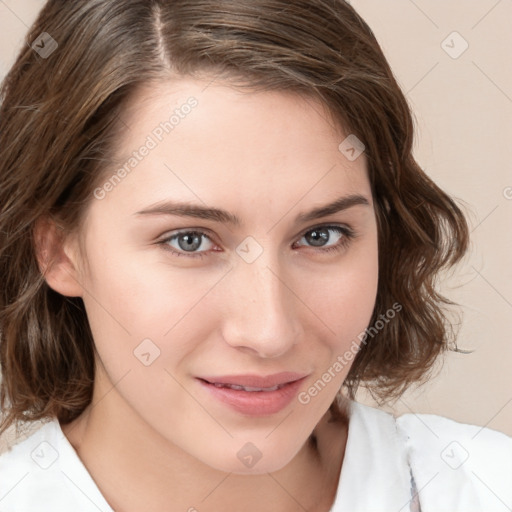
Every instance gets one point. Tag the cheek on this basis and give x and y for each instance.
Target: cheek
(344, 300)
(133, 297)
(344, 296)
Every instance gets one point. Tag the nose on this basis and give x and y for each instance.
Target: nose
(263, 313)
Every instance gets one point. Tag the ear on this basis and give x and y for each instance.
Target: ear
(57, 258)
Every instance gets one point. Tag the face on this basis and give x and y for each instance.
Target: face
(174, 297)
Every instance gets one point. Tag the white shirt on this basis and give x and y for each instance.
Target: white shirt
(416, 462)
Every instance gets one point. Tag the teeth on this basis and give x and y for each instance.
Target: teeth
(244, 388)
(260, 389)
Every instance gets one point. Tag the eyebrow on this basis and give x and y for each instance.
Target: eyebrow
(223, 216)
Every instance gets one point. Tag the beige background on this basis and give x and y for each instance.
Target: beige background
(463, 110)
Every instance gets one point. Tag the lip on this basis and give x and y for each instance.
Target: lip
(255, 403)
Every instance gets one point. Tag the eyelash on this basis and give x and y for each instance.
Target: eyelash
(348, 235)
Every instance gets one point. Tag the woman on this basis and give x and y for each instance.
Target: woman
(213, 231)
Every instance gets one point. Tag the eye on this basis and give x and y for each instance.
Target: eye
(188, 243)
(319, 236)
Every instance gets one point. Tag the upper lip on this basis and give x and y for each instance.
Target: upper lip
(256, 381)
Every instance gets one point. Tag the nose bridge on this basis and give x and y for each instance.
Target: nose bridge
(263, 312)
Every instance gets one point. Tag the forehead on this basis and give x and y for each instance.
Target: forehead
(216, 143)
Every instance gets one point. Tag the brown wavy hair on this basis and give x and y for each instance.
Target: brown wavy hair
(58, 131)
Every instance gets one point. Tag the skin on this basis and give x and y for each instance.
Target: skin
(153, 438)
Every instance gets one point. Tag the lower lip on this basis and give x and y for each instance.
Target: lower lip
(255, 403)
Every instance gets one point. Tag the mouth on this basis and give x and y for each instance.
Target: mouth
(254, 395)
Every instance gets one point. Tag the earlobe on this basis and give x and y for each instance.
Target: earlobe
(56, 260)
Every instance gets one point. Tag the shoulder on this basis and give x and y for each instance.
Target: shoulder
(458, 466)
(43, 472)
